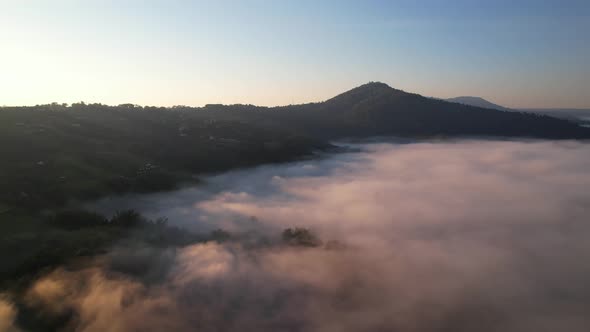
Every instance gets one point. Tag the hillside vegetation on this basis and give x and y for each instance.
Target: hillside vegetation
(52, 153)
(55, 153)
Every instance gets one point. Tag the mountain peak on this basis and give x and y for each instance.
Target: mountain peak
(375, 85)
(363, 92)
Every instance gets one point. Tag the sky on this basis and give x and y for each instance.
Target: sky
(527, 53)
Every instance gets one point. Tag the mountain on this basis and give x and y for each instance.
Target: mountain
(375, 109)
(580, 116)
(477, 102)
(54, 153)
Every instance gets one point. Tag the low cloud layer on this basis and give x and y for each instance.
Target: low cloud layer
(7, 316)
(460, 236)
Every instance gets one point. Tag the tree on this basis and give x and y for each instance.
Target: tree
(300, 237)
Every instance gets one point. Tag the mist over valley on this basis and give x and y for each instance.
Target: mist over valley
(294, 166)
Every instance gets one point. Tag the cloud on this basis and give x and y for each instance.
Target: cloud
(443, 236)
(7, 315)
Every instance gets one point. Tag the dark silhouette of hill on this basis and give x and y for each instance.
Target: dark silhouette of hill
(580, 116)
(477, 102)
(375, 109)
(53, 153)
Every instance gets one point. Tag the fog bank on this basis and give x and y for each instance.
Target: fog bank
(443, 236)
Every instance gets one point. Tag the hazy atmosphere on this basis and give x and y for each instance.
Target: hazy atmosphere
(294, 166)
(434, 236)
(179, 52)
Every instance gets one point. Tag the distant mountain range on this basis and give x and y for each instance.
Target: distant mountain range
(580, 116)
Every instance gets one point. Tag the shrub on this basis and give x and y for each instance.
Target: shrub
(128, 219)
(300, 237)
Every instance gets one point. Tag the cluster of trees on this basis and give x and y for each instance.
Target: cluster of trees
(55, 153)
(42, 243)
(127, 243)
(71, 234)
(300, 237)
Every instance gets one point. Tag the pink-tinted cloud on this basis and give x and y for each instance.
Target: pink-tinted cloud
(460, 236)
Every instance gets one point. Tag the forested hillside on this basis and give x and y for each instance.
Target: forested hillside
(52, 153)
(55, 153)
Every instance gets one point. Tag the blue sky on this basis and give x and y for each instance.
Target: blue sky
(515, 53)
